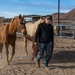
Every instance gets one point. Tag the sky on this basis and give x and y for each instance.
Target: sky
(11, 8)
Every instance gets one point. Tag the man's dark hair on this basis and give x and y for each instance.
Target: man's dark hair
(49, 16)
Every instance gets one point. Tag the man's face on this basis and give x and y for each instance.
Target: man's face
(47, 20)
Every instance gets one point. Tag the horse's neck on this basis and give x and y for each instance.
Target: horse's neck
(36, 24)
(12, 28)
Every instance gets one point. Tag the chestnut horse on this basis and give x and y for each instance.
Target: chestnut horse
(31, 29)
(8, 34)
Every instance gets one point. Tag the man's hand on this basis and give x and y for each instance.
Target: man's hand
(35, 43)
(52, 44)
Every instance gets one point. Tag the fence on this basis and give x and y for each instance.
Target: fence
(65, 30)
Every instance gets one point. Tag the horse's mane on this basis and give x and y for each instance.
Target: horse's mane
(39, 21)
(12, 20)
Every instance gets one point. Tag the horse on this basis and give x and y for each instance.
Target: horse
(8, 35)
(31, 29)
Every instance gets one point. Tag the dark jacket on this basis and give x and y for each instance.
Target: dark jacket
(44, 33)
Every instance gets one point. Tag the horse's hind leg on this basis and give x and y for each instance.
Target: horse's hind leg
(1, 47)
(25, 42)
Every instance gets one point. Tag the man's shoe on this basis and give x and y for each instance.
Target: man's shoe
(47, 68)
(37, 64)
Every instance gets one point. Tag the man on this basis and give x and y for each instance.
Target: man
(45, 35)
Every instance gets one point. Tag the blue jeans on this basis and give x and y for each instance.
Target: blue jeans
(44, 47)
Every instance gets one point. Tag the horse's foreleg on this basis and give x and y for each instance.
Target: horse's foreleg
(25, 42)
(1, 47)
(7, 52)
(13, 51)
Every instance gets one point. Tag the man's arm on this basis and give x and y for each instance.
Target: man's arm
(52, 40)
(37, 33)
(52, 36)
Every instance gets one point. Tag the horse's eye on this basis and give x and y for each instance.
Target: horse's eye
(21, 23)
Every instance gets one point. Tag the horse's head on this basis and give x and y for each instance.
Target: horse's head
(41, 19)
(21, 25)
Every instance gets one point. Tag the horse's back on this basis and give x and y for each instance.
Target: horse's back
(3, 29)
(1, 32)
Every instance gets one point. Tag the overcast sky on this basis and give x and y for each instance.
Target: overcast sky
(11, 8)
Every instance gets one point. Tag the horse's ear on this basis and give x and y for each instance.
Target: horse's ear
(42, 18)
(23, 16)
(19, 16)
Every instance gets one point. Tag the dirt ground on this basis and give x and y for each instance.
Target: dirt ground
(62, 61)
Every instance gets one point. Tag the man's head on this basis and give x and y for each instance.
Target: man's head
(48, 19)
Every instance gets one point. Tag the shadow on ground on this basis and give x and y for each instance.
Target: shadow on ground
(57, 57)
(63, 57)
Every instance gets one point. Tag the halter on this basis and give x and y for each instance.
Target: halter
(22, 26)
